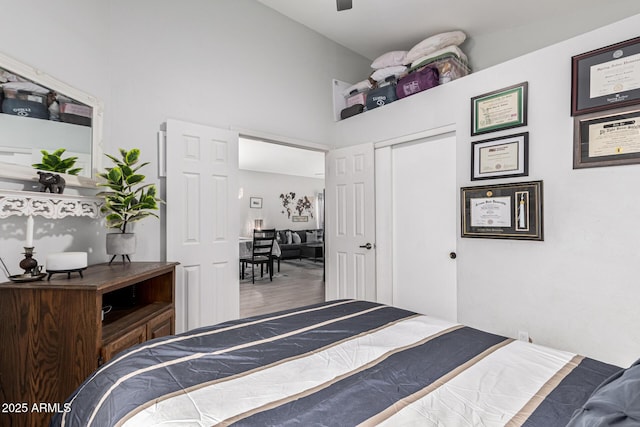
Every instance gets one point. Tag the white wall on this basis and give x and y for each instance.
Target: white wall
(225, 63)
(488, 49)
(66, 39)
(269, 186)
(577, 290)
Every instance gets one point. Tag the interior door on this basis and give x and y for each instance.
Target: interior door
(350, 223)
(202, 222)
(425, 226)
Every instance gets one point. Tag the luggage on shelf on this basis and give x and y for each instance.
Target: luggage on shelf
(351, 111)
(382, 95)
(417, 81)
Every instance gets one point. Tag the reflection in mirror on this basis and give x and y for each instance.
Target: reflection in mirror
(38, 112)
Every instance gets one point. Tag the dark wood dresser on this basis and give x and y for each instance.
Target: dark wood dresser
(53, 335)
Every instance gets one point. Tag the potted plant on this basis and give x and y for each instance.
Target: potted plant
(53, 162)
(127, 200)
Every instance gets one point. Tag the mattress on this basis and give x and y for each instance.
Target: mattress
(339, 363)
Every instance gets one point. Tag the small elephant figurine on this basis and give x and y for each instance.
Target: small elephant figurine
(52, 182)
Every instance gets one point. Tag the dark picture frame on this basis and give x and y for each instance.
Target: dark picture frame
(503, 211)
(610, 138)
(606, 78)
(501, 109)
(501, 157)
(255, 202)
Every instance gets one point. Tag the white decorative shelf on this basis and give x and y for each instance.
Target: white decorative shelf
(48, 205)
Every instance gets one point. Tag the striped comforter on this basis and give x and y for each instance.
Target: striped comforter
(340, 363)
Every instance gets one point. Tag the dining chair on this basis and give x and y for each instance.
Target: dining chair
(261, 251)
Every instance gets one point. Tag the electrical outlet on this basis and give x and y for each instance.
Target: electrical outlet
(523, 336)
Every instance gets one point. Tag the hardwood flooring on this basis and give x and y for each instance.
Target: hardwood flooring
(299, 283)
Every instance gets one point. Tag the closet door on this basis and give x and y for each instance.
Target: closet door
(202, 222)
(425, 225)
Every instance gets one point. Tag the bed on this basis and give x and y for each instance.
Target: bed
(339, 363)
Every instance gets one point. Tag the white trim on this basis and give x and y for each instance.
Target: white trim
(279, 139)
(416, 136)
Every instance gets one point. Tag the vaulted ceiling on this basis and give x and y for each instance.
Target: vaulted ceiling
(513, 27)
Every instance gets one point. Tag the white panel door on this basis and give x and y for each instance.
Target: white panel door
(425, 226)
(350, 223)
(202, 222)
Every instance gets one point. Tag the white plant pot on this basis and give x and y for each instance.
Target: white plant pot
(121, 243)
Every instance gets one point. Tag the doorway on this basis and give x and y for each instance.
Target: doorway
(281, 187)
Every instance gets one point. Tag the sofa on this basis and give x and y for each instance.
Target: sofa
(291, 242)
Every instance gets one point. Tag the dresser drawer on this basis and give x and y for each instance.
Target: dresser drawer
(161, 325)
(133, 337)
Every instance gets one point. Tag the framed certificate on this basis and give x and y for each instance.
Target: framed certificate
(606, 78)
(502, 157)
(607, 139)
(498, 110)
(504, 211)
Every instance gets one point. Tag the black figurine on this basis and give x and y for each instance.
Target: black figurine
(52, 182)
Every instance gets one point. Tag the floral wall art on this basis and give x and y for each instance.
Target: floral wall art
(268, 187)
(298, 210)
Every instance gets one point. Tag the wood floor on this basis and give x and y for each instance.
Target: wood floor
(299, 282)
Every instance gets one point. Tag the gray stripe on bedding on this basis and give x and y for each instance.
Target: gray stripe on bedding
(359, 397)
(261, 368)
(198, 366)
(394, 409)
(571, 393)
(521, 417)
(316, 389)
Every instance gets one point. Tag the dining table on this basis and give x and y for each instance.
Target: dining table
(245, 245)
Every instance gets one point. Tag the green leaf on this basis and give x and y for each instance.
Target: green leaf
(128, 199)
(41, 166)
(75, 171)
(113, 159)
(59, 152)
(126, 171)
(134, 179)
(132, 156)
(115, 175)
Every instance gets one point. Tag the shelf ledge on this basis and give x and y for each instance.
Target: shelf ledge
(48, 205)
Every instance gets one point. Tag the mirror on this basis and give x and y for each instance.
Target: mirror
(39, 112)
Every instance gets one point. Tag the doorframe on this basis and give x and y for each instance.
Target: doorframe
(384, 207)
(281, 140)
(269, 138)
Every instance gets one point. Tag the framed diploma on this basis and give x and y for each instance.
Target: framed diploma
(498, 110)
(504, 211)
(606, 78)
(607, 139)
(502, 157)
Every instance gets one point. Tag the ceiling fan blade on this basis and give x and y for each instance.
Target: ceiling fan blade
(344, 4)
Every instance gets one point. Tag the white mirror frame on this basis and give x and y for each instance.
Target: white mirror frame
(26, 173)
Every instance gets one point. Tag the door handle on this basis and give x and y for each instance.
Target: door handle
(367, 246)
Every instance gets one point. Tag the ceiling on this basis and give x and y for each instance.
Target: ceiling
(374, 27)
(260, 156)
(498, 30)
